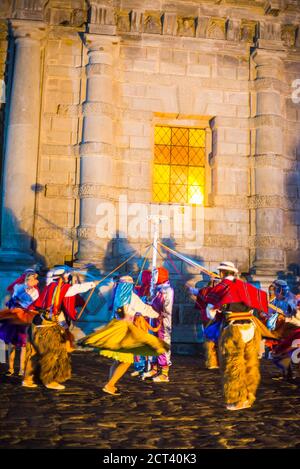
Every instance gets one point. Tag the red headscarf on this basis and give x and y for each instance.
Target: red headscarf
(163, 275)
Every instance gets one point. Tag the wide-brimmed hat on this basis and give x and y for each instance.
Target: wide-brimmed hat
(126, 279)
(228, 266)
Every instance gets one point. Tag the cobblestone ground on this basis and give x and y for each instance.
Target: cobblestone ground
(186, 413)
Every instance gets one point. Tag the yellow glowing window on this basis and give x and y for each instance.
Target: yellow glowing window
(179, 165)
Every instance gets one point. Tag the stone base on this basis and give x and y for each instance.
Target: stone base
(12, 258)
(263, 281)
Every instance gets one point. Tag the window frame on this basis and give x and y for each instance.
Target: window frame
(190, 122)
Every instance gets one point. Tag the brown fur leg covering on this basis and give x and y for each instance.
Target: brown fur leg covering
(211, 356)
(252, 366)
(55, 363)
(232, 362)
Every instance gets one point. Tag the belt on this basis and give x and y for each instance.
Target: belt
(238, 317)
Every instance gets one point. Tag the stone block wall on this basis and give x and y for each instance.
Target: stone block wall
(110, 75)
(63, 92)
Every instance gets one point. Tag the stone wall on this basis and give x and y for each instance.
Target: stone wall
(110, 71)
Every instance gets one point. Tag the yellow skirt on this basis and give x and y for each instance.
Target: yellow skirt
(121, 340)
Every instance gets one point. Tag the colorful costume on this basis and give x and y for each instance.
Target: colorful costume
(163, 304)
(287, 352)
(143, 364)
(50, 340)
(282, 305)
(239, 337)
(13, 329)
(209, 326)
(22, 298)
(120, 339)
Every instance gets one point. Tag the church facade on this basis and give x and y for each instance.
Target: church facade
(113, 105)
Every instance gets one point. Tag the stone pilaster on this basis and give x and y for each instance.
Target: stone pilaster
(267, 173)
(22, 139)
(97, 147)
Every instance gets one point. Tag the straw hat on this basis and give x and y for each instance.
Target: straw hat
(229, 266)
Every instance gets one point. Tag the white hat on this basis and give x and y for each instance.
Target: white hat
(228, 266)
(126, 279)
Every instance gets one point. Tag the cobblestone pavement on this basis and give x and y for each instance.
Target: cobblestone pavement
(186, 413)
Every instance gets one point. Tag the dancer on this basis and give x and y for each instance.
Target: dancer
(163, 304)
(286, 353)
(50, 339)
(240, 335)
(121, 339)
(142, 365)
(14, 330)
(211, 325)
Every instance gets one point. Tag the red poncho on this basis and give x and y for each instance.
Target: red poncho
(67, 304)
(236, 291)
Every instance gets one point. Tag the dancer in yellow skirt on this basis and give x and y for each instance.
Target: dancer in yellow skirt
(121, 339)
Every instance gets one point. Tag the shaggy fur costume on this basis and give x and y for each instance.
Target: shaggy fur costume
(211, 354)
(239, 365)
(47, 356)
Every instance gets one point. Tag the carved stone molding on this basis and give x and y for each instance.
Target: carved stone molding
(96, 148)
(259, 161)
(90, 190)
(170, 24)
(216, 28)
(29, 9)
(288, 35)
(123, 21)
(136, 21)
(55, 233)
(78, 191)
(102, 18)
(272, 242)
(220, 240)
(267, 121)
(274, 7)
(202, 26)
(28, 30)
(83, 232)
(272, 201)
(248, 30)
(98, 69)
(186, 26)
(96, 108)
(233, 30)
(229, 201)
(70, 110)
(152, 22)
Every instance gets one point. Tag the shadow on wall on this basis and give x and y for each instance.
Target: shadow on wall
(99, 309)
(187, 330)
(10, 270)
(291, 230)
(292, 227)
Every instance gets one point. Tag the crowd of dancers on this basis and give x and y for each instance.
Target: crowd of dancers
(241, 323)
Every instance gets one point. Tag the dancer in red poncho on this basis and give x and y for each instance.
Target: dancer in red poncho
(239, 335)
(50, 339)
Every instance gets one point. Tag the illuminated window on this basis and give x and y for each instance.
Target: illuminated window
(179, 165)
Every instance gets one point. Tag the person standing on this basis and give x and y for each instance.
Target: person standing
(24, 293)
(50, 340)
(120, 339)
(240, 335)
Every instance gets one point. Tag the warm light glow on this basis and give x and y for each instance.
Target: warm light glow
(196, 195)
(179, 165)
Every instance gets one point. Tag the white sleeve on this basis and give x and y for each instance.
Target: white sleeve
(80, 288)
(138, 306)
(211, 311)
